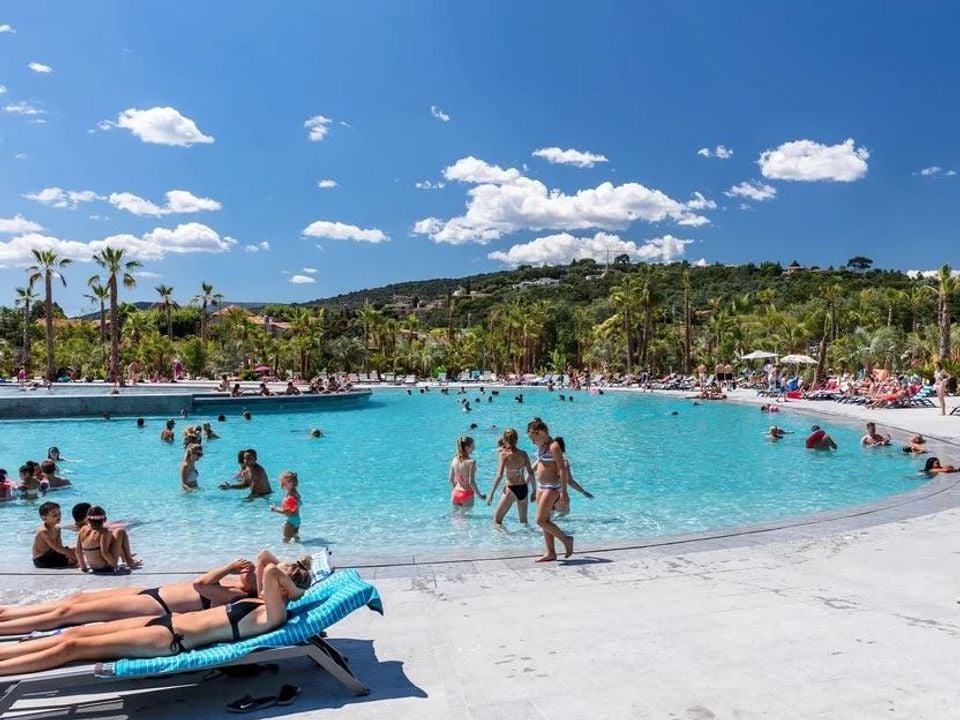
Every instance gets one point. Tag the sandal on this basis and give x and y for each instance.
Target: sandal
(248, 703)
(287, 694)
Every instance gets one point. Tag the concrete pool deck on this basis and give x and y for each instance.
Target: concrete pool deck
(855, 620)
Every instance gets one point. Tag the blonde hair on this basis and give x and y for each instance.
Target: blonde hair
(463, 442)
(299, 571)
(510, 439)
(191, 449)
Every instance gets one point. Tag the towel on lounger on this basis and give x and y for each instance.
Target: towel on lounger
(324, 604)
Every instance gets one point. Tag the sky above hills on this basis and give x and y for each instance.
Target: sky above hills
(291, 151)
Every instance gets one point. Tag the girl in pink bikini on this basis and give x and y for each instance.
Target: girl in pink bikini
(463, 473)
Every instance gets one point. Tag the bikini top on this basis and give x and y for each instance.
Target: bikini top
(544, 456)
(237, 611)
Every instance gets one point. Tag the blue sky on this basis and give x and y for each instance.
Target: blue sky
(724, 132)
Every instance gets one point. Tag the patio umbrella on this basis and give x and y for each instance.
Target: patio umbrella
(263, 368)
(758, 355)
(798, 360)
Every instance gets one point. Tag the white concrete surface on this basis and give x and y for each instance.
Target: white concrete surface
(861, 623)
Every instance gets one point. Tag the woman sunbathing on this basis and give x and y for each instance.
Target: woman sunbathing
(234, 581)
(165, 635)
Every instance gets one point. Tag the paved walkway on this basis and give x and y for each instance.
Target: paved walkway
(831, 621)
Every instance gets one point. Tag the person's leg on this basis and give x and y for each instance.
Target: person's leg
(140, 642)
(550, 530)
(503, 507)
(522, 510)
(13, 612)
(121, 547)
(288, 532)
(941, 396)
(92, 611)
(10, 650)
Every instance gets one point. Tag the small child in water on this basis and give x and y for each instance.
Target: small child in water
(463, 475)
(48, 548)
(290, 507)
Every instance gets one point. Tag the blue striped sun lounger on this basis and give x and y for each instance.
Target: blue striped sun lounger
(324, 604)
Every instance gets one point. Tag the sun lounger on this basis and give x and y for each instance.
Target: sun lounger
(321, 606)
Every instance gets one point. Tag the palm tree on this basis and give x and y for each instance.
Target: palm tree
(25, 298)
(99, 293)
(166, 295)
(946, 285)
(205, 298)
(111, 260)
(48, 264)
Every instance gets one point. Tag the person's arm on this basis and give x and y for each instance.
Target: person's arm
(183, 478)
(496, 481)
(81, 561)
(278, 590)
(213, 577)
(264, 558)
(52, 540)
(452, 478)
(531, 476)
(561, 462)
(575, 485)
(473, 478)
(106, 539)
(244, 476)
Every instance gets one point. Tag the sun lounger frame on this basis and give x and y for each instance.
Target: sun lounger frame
(15, 687)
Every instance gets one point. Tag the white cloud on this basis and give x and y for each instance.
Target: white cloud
(310, 270)
(264, 246)
(59, 198)
(579, 158)
(505, 202)
(159, 125)
(474, 170)
(341, 231)
(6, 29)
(700, 202)
(937, 171)
(752, 189)
(21, 156)
(427, 185)
(154, 245)
(563, 248)
(318, 127)
(177, 202)
(18, 225)
(439, 114)
(3, 89)
(147, 275)
(23, 108)
(40, 68)
(721, 152)
(809, 161)
(930, 273)
(301, 279)
(98, 217)
(326, 184)
(702, 262)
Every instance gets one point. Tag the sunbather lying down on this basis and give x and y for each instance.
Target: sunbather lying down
(163, 635)
(234, 581)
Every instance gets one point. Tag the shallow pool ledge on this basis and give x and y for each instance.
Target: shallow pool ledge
(38, 405)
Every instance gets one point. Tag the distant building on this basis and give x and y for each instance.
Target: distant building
(402, 304)
(539, 282)
(794, 267)
(272, 327)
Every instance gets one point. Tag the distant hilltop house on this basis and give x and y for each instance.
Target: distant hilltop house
(461, 291)
(797, 267)
(403, 303)
(272, 327)
(539, 282)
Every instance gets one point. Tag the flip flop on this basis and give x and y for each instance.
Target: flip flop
(248, 703)
(287, 694)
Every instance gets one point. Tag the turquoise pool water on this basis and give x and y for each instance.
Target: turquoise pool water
(377, 482)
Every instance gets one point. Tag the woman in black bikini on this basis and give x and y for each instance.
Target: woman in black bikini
(515, 463)
(166, 635)
(234, 581)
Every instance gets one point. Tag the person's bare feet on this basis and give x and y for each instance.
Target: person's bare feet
(568, 547)
(546, 558)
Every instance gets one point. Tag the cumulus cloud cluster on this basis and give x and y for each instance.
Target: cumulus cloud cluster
(154, 245)
(18, 224)
(302, 279)
(326, 184)
(4, 28)
(563, 248)
(258, 247)
(40, 68)
(721, 152)
(160, 126)
(342, 231)
(937, 171)
(752, 190)
(429, 185)
(317, 127)
(60, 198)
(579, 158)
(23, 108)
(503, 201)
(439, 114)
(809, 161)
(177, 202)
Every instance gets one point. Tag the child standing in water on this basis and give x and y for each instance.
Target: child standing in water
(290, 507)
(463, 475)
(515, 464)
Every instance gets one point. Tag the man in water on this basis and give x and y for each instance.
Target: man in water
(252, 476)
(819, 440)
(873, 438)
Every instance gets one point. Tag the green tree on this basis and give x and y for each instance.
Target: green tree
(205, 298)
(166, 300)
(26, 297)
(99, 295)
(118, 270)
(47, 266)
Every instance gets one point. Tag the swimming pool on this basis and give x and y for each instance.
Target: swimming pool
(377, 482)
